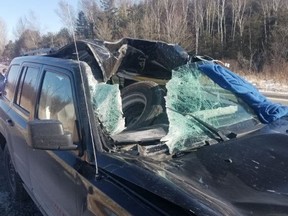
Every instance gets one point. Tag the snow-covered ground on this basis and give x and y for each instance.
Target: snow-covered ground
(273, 90)
(268, 85)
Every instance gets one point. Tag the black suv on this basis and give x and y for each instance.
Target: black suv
(135, 128)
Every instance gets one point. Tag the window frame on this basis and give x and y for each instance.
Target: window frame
(19, 88)
(14, 89)
(68, 74)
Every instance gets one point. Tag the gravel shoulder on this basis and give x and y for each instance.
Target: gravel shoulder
(8, 207)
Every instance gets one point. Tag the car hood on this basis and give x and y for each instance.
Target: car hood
(248, 175)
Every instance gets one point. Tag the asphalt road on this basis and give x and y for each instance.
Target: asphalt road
(8, 207)
(277, 97)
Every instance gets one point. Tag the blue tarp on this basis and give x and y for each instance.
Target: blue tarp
(266, 110)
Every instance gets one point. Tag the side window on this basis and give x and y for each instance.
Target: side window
(12, 78)
(56, 101)
(26, 88)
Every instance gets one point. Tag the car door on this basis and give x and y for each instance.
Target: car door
(53, 172)
(19, 115)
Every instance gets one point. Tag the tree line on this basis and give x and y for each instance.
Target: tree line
(251, 32)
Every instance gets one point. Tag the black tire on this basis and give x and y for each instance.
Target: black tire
(14, 181)
(142, 103)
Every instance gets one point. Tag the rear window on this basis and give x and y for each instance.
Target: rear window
(26, 88)
(12, 77)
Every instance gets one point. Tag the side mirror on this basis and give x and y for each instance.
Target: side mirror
(49, 135)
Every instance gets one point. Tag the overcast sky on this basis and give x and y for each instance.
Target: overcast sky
(44, 10)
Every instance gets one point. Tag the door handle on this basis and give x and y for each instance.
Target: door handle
(10, 122)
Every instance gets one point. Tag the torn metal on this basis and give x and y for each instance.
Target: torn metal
(128, 58)
(188, 91)
(197, 113)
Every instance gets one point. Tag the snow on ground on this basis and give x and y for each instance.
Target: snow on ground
(274, 91)
(268, 85)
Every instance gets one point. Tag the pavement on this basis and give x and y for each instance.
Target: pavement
(277, 97)
(9, 207)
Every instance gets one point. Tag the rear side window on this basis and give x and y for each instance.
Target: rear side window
(27, 88)
(12, 78)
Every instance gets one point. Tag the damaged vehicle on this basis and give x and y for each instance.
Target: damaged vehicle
(139, 127)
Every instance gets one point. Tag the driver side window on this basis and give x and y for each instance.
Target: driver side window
(56, 101)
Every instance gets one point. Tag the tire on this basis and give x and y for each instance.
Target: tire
(15, 183)
(143, 103)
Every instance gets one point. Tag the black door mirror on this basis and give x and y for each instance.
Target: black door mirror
(49, 135)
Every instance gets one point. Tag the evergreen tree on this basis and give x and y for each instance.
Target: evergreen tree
(84, 29)
(107, 4)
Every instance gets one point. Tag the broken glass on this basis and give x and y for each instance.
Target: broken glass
(107, 104)
(191, 93)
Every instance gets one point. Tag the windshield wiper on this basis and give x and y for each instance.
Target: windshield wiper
(219, 133)
(211, 128)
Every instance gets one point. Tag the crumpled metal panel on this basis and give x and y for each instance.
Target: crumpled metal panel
(142, 57)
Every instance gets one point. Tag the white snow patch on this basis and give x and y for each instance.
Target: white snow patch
(267, 85)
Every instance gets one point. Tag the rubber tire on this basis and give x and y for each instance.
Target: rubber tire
(142, 104)
(15, 183)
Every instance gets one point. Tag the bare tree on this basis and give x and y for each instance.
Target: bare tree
(266, 13)
(3, 36)
(92, 13)
(28, 40)
(20, 27)
(275, 6)
(67, 15)
(62, 38)
(128, 18)
(91, 10)
(104, 30)
(151, 22)
(175, 22)
(210, 15)
(221, 4)
(198, 17)
(101, 20)
(149, 25)
(238, 10)
(26, 22)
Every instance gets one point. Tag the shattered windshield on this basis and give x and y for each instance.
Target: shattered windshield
(192, 94)
(194, 109)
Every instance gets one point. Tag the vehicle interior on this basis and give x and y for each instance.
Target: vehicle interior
(128, 85)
